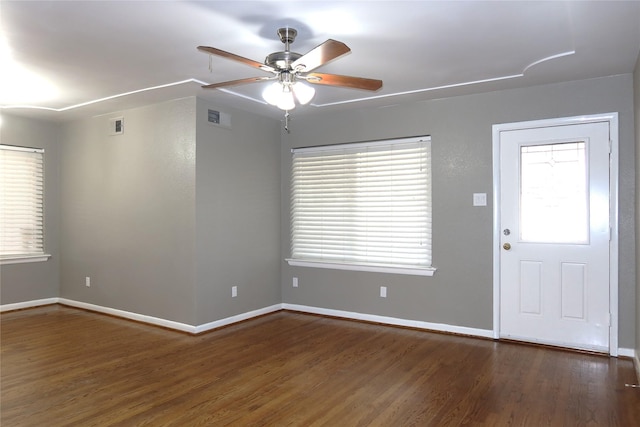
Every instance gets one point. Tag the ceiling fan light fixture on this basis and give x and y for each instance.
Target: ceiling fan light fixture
(284, 95)
(286, 101)
(271, 93)
(303, 92)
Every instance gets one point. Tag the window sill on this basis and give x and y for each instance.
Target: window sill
(425, 271)
(21, 259)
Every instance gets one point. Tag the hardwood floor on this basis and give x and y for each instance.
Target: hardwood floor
(67, 367)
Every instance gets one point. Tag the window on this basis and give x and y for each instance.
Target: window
(21, 204)
(363, 206)
(554, 193)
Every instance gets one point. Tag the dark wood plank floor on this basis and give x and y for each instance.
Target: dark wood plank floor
(66, 367)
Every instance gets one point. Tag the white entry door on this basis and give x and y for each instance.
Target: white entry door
(554, 226)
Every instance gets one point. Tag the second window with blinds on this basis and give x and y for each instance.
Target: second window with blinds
(363, 206)
(21, 205)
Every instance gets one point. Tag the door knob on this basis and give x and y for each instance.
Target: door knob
(506, 246)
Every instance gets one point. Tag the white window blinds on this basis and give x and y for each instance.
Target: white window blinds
(363, 204)
(21, 201)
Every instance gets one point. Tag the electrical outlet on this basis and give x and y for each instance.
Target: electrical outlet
(87, 281)
(295, 282)
(234, 291)
(383, 291)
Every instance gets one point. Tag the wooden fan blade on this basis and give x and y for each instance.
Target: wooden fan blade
(320, 55)
(236, 82)
(345, 81)
(233, 56)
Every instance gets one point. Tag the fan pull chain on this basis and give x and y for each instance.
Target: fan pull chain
(286, 121)
(210, 63)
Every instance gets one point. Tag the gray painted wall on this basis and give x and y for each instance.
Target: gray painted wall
(167, 217)
(461, 291)
(636, 85)
(237, 214)
(128, 211)
(34, 281)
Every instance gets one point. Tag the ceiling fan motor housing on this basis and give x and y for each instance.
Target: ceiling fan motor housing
(281, 60)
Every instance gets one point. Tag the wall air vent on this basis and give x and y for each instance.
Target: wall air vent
(219, 118)
(214, 117)
(116, 126)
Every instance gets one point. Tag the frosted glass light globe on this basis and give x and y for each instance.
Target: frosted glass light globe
(303, 92)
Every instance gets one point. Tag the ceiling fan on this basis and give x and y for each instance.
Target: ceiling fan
(292, 70)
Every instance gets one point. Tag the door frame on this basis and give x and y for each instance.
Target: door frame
(612, 120)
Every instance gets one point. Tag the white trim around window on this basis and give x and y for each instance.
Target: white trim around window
(428, 271)
(24, 259)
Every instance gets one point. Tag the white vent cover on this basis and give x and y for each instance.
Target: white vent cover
(218, 118)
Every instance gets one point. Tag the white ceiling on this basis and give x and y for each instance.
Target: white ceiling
(77, 52)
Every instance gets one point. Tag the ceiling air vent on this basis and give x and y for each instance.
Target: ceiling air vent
(219, 118)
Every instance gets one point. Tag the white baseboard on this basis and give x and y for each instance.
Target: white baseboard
(28, 304)
(157, 321)
(439, 327)
(237, 318)
(245, 316)
(130, 315)
(626, 352)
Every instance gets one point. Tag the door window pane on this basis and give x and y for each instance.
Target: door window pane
(554, 200)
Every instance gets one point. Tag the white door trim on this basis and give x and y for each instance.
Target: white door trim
(612, 119)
